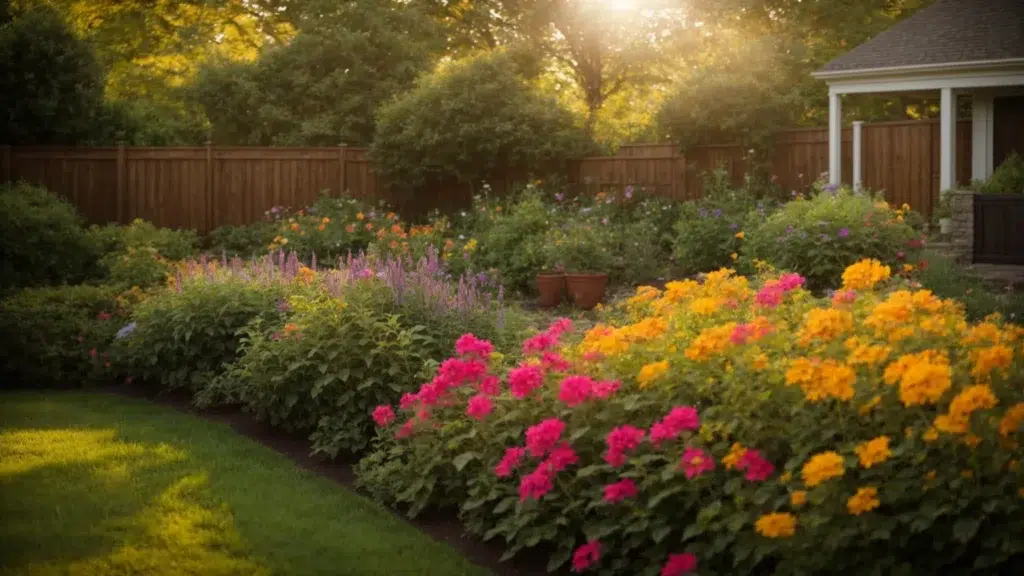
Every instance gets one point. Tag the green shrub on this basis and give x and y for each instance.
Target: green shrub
(947, 279)
(182, 338)
(325, 370)
(142, 267)
(167, 242)
(58, 336)
(820, 236)
(243, 241)
(513, 243)
(331, 228)
(44, 241)
(579, 246)
(1008, 178)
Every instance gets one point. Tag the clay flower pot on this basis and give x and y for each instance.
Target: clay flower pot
(551, 288)
(586, 290)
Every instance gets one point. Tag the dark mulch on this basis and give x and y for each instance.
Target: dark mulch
(439, 525)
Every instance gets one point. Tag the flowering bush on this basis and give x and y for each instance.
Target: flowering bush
(821, 235)
(732, 428)
(332, 227)
(710, 231)
(59, 336)
(512, 243)
(184, 336)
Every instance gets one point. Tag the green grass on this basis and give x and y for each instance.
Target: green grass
(101, 484)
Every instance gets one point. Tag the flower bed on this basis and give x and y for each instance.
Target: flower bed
(743, 429)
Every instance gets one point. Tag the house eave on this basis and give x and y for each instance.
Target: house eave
(920, 69)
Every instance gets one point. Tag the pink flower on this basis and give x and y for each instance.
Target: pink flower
(430, 393)
(456, 372)
(509, 462)
(539, 343)
(770, 296)
(606, 388)
(758, 469)
(679, 564)
(405, 430)
(620, 441)
(491, 385)
(560, 326)
(791, 281)
(524, 380)
(469, 345)
(479, 407)
(383, 415)
(619, 491)
(408, 401)
(542, 437)
(696, 462)
(535, 484)
(844, 297)
(678, 420)
(575, 390)
(561, 457)
(586, 555)
(92, 352)
(554, 362)
(103, 316)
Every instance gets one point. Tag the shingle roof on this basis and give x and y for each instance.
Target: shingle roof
(948, 31)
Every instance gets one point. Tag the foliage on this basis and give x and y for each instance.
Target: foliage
(822, 235)
(243, 241)
(183, 337)
(117, 468)
(1008, 178)
(51, 87)
(944, 277)
(323, 87)
(139, 254)
(710, 231)
(59, 336)
(330, 365)
(332, 227)
(503, 123)
(580, 247)
(875, 432)
(45, 241)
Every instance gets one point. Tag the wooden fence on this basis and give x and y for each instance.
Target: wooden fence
(205, 187)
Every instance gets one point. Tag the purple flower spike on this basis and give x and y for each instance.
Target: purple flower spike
(844, 232)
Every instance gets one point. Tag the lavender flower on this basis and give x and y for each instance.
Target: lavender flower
(126, 330)
(717, 213)
(629, 192)
(844, 232)
(830, 188)
(559, 196)
(733, 226)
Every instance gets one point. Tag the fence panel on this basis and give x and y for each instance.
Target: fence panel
(997, 238)
(206, 187)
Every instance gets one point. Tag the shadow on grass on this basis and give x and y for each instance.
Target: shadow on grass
(82, 501)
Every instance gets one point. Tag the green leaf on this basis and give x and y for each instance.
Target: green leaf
(463, 459)
(965, 528)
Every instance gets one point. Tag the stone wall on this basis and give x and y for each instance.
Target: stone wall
(962, 235)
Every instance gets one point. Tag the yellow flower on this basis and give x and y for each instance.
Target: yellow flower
(972, 441)
(864, 275)
(988, 359)
(733, 457)
(870, 405)
(930, 475)
(294, 226)
(1012, 419)
(822, 467)
(821, 379)
(798, 498)
(325, 220)
(930, 435)
(706, 305)
(864, 500)
(776, 525)
(360, 216)
(908, 267)
(972, 398)
(734, 256)
(710, 342)
(740, 235)
(760, 362)
(923, 377)
(824, 324)
(651, 372)
(874, 451)
(869, 354)
(785, 477)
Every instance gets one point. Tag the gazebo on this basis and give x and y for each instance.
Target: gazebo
(958, 48)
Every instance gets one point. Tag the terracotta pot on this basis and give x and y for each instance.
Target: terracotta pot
(586, 290)
(551, 288)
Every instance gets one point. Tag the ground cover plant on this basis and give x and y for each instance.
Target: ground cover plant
(101, 484)
(687, 432)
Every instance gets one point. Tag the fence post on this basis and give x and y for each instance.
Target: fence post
(5, 167)
(210, 204)
(858, 174)
(122, 178)
(342, 168)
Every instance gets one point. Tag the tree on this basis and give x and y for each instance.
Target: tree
(470, 122)
(323, 86)
(51, 86)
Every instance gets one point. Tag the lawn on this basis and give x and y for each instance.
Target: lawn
(101, 484)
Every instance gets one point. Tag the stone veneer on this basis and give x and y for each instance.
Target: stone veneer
(962, 235)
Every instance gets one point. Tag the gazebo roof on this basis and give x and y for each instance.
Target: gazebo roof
(949, 32)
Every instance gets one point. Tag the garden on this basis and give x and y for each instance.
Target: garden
(753, 382)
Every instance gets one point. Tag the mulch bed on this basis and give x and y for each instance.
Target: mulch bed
(439, 525)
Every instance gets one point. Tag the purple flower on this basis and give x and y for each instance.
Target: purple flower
(372, 215)
(733, 226)
(629, 192)
(717, 212)
(559, 196)
(831, 188)
(126, 330)
(282, 306)
(604, 220)
(844, 232)
(789, 229)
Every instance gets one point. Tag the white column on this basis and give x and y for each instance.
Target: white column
(835, 138)
(982, 116)
(858, 169)
(947, 140)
